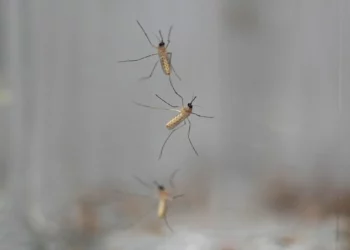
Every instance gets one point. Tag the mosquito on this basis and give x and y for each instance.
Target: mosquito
(164, 197)
(163, 54)
(182, 116)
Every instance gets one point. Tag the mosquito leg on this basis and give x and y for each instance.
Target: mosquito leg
(135, 60)
(203, 116)
(188, 135)
(178, 196)
(173, 69)
(151, 107)
(144, 32)
(167, 223)
(143, 183)
(172, 176)
(161, 151)
(171, 83)
(148, 77)
(173, 106)
(170, 29)
(171, 65)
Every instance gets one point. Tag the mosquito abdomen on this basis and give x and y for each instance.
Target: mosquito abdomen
(164, 60)
(162, 207)
(173, 123)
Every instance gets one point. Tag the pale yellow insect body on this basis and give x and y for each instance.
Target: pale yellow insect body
(164, 60)
(185, 112)
(162, 207)
(163, 204)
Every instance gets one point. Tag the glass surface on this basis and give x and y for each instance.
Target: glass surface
(273, 164)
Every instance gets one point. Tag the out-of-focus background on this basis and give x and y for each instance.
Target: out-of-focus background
(273, 73)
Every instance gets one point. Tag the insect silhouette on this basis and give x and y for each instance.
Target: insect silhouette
(181, 117)
(163, 196)
(163, 54)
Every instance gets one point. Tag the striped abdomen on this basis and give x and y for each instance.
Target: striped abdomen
(173, 123)
(164, 60)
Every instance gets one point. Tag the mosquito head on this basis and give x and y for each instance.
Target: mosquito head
(190, 104)
(161, 44)
(161, 188)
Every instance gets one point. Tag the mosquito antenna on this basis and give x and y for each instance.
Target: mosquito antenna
(194, 98)
(161, 36)
(157, 184)
(144, 32)
(156, 37)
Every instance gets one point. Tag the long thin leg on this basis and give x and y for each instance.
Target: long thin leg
(173, 106)
(171, 84)
(188, 135)
(144, 32)
(151, 107)
(172, 176)
(142, 182)
(154, 67)
(170, 29)
(178, 196)
(203, 116)
(135, 60)
(161, 151)
(173, 69)
(167, 223)
(171, 65)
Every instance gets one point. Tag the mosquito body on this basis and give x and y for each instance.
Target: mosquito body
(181, 117)
(164, 197)
(184, 113)
(164, 57)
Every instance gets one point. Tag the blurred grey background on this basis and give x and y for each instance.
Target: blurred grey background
(273, 73)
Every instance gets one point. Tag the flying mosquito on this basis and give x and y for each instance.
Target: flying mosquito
(163, 54)
(174, 123)
(164, 197)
